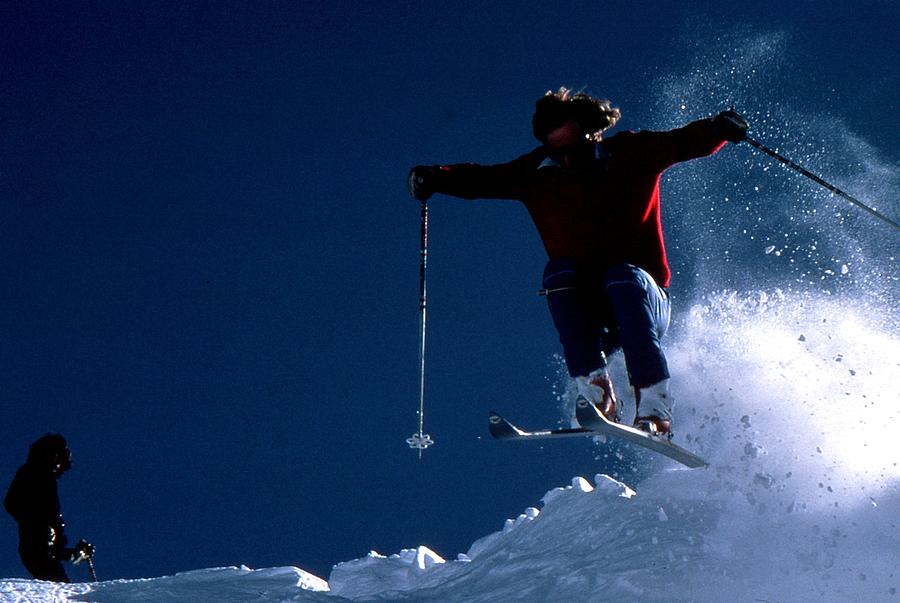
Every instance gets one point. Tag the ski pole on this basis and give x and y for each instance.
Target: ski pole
(816, 179)
(84, 551)
(420, 440)
(93, 572)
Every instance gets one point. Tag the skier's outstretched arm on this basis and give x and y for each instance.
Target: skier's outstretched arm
(473, 181)
(697, 139)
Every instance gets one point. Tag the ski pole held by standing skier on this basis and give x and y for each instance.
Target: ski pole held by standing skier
(595, 201)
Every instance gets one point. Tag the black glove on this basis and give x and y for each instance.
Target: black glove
(423, 181)
(731, 126)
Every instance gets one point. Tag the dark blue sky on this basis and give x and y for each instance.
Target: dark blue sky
(209, 262)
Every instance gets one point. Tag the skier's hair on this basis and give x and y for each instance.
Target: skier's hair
(594, 115)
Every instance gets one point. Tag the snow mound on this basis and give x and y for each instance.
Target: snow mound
(701, 535)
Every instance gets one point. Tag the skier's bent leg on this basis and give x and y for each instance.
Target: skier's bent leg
(569, 305)
(641, 309)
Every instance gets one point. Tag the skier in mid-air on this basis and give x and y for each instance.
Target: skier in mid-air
(596, 205)
(33, 501)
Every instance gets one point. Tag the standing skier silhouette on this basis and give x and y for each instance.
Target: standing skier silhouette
(596, 204)
(33, 501)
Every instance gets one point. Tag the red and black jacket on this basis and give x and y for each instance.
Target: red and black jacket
(599, 203)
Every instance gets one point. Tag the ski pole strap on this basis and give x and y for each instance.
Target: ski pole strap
(818, 180)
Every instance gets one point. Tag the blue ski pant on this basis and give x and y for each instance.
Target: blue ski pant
(599, 312)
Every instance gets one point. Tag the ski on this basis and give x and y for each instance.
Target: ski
(594, 424)
(502, 429)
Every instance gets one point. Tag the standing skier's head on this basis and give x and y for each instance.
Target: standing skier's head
(51, 453)
(563, 117)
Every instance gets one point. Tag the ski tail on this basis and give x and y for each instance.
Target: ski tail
(502, 429)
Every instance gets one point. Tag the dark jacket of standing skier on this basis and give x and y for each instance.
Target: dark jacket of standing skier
(33, 501)
(596, 204)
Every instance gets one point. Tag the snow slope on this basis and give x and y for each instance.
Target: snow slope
(786, 395)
